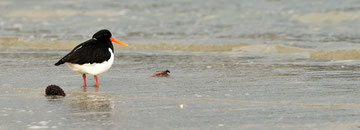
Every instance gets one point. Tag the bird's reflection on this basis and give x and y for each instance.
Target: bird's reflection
(91, 101)
(96, 88)
(91, 104)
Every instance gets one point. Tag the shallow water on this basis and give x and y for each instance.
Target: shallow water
(267, 64)
(205, 90)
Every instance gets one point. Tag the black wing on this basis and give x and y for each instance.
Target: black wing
(90, 51)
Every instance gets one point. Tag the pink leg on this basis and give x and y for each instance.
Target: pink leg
(84, 77)
(84, 89)
(97, 89)
(96, 80)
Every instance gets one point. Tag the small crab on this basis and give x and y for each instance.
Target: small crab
(163, 73)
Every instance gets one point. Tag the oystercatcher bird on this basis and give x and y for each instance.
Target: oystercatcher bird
(93, 56)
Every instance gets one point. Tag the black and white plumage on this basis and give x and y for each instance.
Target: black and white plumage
(94, 56)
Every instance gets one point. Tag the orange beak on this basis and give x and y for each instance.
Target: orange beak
(117, 41)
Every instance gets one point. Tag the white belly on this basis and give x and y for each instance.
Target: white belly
(94, 68)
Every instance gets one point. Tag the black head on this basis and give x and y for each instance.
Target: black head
(105, 35)
(102, 35)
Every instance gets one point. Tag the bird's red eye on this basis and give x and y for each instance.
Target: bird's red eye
(105, 34)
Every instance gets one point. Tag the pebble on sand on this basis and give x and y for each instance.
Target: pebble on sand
(54, 90)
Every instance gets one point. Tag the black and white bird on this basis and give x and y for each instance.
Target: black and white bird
(93, 56)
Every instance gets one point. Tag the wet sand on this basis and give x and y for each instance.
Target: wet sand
(205, 91)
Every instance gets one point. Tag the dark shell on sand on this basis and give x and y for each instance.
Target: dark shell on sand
(54, 90)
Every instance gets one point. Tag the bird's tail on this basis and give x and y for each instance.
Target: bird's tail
(59, 62)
